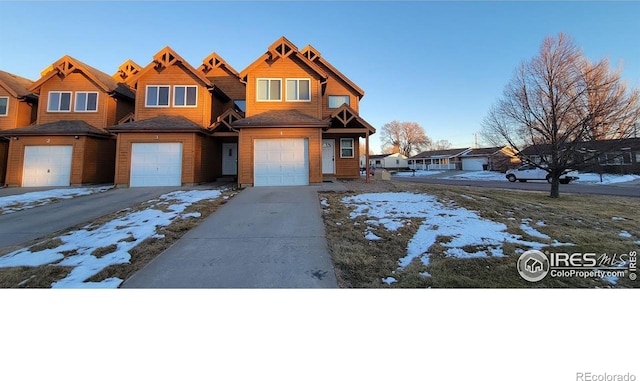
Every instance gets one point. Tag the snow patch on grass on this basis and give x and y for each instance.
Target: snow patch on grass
(11, 204)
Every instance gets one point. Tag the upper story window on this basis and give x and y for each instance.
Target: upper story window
(86, 101)
(59, 101)
(298, 89)
(336, 101)
(157, 96)
(269, 89)
(4, 106)
(185, 96)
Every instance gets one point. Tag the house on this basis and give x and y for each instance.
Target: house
(491, 158)
(167, 141)
(301, 123)
(18, 108)
(68, 144)
(599, 156)
(386, 161)
(447, 159)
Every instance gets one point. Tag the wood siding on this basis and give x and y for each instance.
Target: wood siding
(83, 171)
(336, 86)
(75, 82)
(4, 151)
(246, 144)
(283, 69)
(346, 168)
(19, 113)
(227, 82)
(172, 76)
(195, 153)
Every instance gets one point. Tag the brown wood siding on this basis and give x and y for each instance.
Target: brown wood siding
(80, 173)
(207, 167)
(123, 107)
(4, 151)
(27, 114)
(346, 168)
(172, 76)
(337, 87)
(73, 82)
(99, 160)
(283, 69)
(188, 140)
(227, 82)
(246, 144)
(19, 113)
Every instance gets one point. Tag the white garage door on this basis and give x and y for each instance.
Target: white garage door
(156, 164)
(47, 166)
(474, 164)
(281, 162)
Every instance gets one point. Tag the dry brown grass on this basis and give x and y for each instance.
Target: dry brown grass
(585, 220)
(143, 253)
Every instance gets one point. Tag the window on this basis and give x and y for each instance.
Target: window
(185, 96)
(86, 101)
(241, 105)
(346, 148)
(269, 89)
(4, 106)
(298, 90)
(336, 101)
(157, 96)
(59, 101)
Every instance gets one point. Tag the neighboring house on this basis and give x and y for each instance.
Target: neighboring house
(69, 143)
(386, 161)
(301, 121)
(447, 159)
(18, 108)
(599, 156)
(168, 142)
(492, 158)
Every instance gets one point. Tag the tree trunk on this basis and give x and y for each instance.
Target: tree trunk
(555, 186)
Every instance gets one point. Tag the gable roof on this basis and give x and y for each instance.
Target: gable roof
(17, 86)
(162, 123)
(213, 61)
(380, 156)
(127, 71)
(487, 151)
(314, 56)
(62, 127)
(67, 65)
(345, 116)
(280, 118)
(167, 57)
(443, 153)
(595, 146)
(283, 48)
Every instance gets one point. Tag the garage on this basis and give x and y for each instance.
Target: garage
(156, 164)
(281, 162)
(47, 166)
(473, 164)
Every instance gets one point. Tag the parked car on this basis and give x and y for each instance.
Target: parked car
(531, 172)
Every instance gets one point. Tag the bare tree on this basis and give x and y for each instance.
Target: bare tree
(441, 144)
(558, 100)
(403, 137)
(363, 148)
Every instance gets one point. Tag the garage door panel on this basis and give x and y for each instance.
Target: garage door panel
(47, 166)
(156, 164)
(279, 162)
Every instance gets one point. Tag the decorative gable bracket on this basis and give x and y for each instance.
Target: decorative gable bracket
(225, 121)
(164, 58)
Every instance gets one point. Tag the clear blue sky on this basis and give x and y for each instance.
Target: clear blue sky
(441, 64)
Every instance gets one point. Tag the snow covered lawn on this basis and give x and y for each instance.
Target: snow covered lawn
(417, 173)
(89, 250)
(10, 204)
(584, 178)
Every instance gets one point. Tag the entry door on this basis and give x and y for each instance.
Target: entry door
(328, 156)
(47, 166)
(229, 158)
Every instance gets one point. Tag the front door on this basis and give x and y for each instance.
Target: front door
(229, 159)
(328, 156)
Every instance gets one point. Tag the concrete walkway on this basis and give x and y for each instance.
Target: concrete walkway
(269, 237)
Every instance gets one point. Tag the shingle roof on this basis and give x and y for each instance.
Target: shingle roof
(440, 153)
(284, 118)
(17, 85)
(483, 151)
(160, 123)
(382, 156)
(594, 145)
(63, 127)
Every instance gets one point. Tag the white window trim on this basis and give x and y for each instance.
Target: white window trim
(75, 104)
(269, 100)
(298, 95)
(7, 110)
(337, 95)
(60, 100)
(185, 96)
(353, 148)
(146, 94)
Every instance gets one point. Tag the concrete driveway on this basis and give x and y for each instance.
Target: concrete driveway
(26, 225)
(270, 237)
